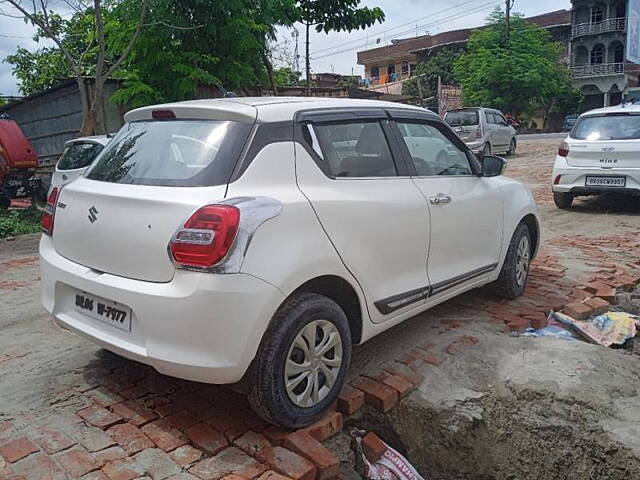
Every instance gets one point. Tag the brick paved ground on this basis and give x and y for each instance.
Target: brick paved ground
(71, 410)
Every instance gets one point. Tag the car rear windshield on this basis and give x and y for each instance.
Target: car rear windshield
(176, 153)
(79, 155)
(607, 127)
(462, 118)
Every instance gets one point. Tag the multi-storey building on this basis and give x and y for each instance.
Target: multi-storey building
(598, 61)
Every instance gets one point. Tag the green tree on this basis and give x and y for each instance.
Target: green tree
(285, 76)
(518, 75)
(332, 15)
(425, 83)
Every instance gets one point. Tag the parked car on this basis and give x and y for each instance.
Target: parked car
(76, 157)
(484, 130)
(600, 155)
(569, 122)
(254, 241)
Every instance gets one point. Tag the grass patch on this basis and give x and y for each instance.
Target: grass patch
(19, 222)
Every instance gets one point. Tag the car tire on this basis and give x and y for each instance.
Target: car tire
(563, 200)
(512, 148)
(486, 150)
(515, 271)
(279, 355)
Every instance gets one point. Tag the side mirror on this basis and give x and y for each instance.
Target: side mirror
(493, 166)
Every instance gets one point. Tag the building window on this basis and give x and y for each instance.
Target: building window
(405, 68)
(375, 72)
(597, 14)
(391, 69)
(621, 10)
(618, 53)
(597, 55)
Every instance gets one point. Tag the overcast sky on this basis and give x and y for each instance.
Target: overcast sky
(334, 51)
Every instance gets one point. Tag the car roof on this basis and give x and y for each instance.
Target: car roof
(261, 109)
(99, 139)
(623, 108)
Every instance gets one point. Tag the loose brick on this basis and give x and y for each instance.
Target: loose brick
(134, 413)
(51, 440)
(232, 460)
(130, 438)
(17, 449)
(379, 396)
(578, 310)
(373, 447)
(109, 455)
(91, 438)
(103, 396)
(326, 427)
(275, 435)
(181, 420)
(38, 467)
(350, 400)
(77, 462)
(404, 372)
(304, 444)
(164, 436)
(252, 442)
(99, 416)
(399, 384)
(288, 463)
(185, 455)
(206, 438)
(271, 475)
(608, 294)
(598, 305)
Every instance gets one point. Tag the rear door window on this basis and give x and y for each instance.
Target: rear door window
(462, 118)
(357, 149)
(79, 155)
(607, 127)
(180, 153)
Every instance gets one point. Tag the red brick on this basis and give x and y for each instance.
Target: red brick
(598, 305)
(130, 438)
(350, 400)
(271, 475)
(109, 455)
(38, 466)
(125, 469)
(399, 384)
(231, 460)
(326, 427)
(185, 455)
(99, 417)
(51, 440)
(608, 294)
(206, 438)
(164, 435)
(17, 449)
(593, 287)
(288, 463)
(379, 396)
(181, 420)
(77, 462)
(97, 475)
(373, 447)
(578, 310)
(517, 324)
(275, 435)
(406, 373)
(252, 442)
(304, 444)
(134, 413)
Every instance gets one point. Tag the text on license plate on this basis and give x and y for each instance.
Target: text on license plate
(606, 181)
(104, 310)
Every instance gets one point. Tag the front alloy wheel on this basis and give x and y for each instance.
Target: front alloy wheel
(523, 258)
(515, 270)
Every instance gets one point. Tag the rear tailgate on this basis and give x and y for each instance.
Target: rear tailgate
(606, 154)
(125, 230)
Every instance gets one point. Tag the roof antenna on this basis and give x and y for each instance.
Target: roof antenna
(226, 93)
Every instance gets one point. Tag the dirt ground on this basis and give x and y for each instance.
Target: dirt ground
(499, 407)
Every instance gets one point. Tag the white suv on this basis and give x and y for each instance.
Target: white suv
(254, 241)
(600, 155)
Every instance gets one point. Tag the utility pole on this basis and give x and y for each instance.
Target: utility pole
(509, 5)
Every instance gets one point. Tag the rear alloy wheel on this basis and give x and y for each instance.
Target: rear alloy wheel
(563, 200)
(515, 271)
(512, 148)
(302, 362)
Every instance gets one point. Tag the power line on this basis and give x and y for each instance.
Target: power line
(441, 21)
(413, 22)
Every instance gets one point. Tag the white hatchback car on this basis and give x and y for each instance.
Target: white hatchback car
(253, 241)
(76, 157)
(601, 155)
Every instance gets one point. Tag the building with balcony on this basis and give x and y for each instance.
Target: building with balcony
(598, 42)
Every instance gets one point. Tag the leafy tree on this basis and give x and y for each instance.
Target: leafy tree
(285, 76)
(517, 75)
(425, 84)
(332, 15)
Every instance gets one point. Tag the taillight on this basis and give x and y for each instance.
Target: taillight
(49, 212)
(206, 237)
(563, 151)
(479, 132)
(557, 180)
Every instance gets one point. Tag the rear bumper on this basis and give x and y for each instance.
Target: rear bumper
(200, 327)
(573, 179)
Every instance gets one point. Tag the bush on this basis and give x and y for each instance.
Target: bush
(19, 222)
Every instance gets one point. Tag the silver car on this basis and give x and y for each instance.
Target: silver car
(484, 130)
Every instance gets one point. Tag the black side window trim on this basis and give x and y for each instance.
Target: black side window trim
(476, 168)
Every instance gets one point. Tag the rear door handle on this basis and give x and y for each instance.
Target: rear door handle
(440, 199)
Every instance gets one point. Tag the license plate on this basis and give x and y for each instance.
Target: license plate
(606, 181)
(104, 310)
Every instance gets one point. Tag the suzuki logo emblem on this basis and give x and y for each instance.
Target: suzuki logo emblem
(608, 149)
(93, 214)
